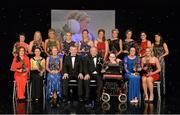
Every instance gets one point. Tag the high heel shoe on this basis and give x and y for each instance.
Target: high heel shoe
(151, 99)
(146, 99)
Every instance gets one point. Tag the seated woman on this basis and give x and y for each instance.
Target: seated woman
(132, 66)
(54, 66)
(21, 67)
(37, 70)
(113, 66)
(150, 73)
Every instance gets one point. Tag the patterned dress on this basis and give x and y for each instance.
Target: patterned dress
(54, 80)
(66, 47)
(128, 45)
(86, 49)
(159, 51)
(50, 44)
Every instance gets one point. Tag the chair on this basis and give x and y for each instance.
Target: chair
(157, 85)
(74, 83)
(15, 92)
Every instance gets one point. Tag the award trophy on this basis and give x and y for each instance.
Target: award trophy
(40, 67)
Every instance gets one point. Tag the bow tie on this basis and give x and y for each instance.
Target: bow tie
(73, 56)
(94, 57)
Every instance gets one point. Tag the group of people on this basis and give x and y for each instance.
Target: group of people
(83, 60)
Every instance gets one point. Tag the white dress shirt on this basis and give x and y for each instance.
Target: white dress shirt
(95, 61)
(73, 61)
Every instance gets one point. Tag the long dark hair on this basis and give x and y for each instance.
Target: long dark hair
(161, 39)
(18, 59)
(103, 31)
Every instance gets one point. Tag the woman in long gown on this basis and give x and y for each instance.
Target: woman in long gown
(37, 71)
(21, 68)
(132, 66)
(102, 44)
(160, 49)
(54, 67)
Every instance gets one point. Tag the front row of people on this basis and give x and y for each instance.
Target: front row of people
(61, 69)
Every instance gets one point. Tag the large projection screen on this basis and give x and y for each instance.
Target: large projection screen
(65, 20)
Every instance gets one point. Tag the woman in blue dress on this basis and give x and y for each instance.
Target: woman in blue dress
(132, 66)
(54, 67)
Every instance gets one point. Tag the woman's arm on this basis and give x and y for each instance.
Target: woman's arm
(30, 47)
(61, 64)
(158, 66)
(47, 65)
(165, 49)
(106, 50)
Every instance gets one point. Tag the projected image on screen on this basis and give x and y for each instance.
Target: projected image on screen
(76, 21)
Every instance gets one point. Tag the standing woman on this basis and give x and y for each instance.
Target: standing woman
(67, 43)
(132, 66)
(21, 67)
(51, 42)
(36, 42)
(20, 42)
(54, 67)
(102, 44)
(115, 44)
(160, 49)
(128, 43)
(144, 44)
(85, 44)
(37, 70)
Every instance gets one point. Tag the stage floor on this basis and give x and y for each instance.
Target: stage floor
(167, 104)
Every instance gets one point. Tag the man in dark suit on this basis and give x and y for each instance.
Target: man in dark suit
(72, 69)
(92, 70)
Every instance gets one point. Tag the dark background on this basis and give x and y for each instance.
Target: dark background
(29, 16)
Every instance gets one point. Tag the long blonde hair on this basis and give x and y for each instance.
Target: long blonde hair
(35, 40)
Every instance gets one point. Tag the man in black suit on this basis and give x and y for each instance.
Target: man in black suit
(72, 69)
(92, 70)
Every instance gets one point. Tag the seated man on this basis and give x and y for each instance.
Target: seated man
(72, 69)
(92, 70)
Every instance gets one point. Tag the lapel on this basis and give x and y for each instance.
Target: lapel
(75, 61)
(70, 61)
(93, 61)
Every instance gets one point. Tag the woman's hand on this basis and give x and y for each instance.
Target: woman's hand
(150, 74)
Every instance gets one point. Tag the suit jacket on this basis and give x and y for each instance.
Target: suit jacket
(67, 65)
(89, 66)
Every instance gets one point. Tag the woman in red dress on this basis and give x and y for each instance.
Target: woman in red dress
(102, 44)
(150, 73)
(144, 44)
(21, 67)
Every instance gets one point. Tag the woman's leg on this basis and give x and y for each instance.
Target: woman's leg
(144, 85)
(150, 87)
(21, 84)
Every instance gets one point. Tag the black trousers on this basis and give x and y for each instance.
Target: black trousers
(37, 84)
(66, 89)
(99, 84)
